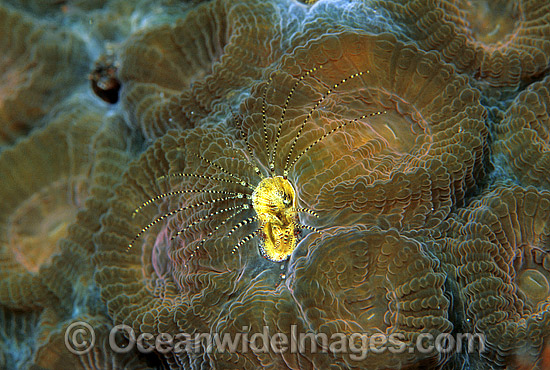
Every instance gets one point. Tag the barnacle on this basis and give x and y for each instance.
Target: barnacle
(37, 66)
(274, 201)
(523, 145)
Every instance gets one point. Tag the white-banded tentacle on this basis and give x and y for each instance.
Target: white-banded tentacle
(173, 212)
(220, 179)
(329, 133)
(285, 107)
(256, 167)
(240, 224)
(307, 210)
(180, 192)
(244, 240)
(208, 216)
(325, 95)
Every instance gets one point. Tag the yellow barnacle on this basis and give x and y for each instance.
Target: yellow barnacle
(274, 201)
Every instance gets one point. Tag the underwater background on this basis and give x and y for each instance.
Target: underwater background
(414, 136)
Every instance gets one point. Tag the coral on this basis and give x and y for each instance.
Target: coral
(160, 285)
(523, 136)
(499, 247)
(70, 273)
(180, 243)
(51, 349)
(175, 74)
(49, 217)
(17, 337)
(119, 268)
(420, 154)
(325, 172)
(346, 280)
(36, 340)
(37, 66)
(501, 42)
(44, 183)
(39, 7)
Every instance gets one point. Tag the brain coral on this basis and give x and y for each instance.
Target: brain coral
(346, 280)
(499, 247)
(421, 154)
(71, 270)
(38, 203)
(35, 340)
(15, 331)
(157, 287)
(501, 42)
(350, 111)
(51, 352)
(175, 74)
(75, 156)
(523, 136)
(37, 66)
(331, 171)
(50, 7)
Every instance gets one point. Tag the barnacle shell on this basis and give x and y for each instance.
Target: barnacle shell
(274, 203)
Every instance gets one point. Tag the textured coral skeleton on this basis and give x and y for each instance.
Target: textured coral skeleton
(332, 167)
(291, 102)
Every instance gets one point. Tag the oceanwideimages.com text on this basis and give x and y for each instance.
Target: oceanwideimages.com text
(80, 339)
